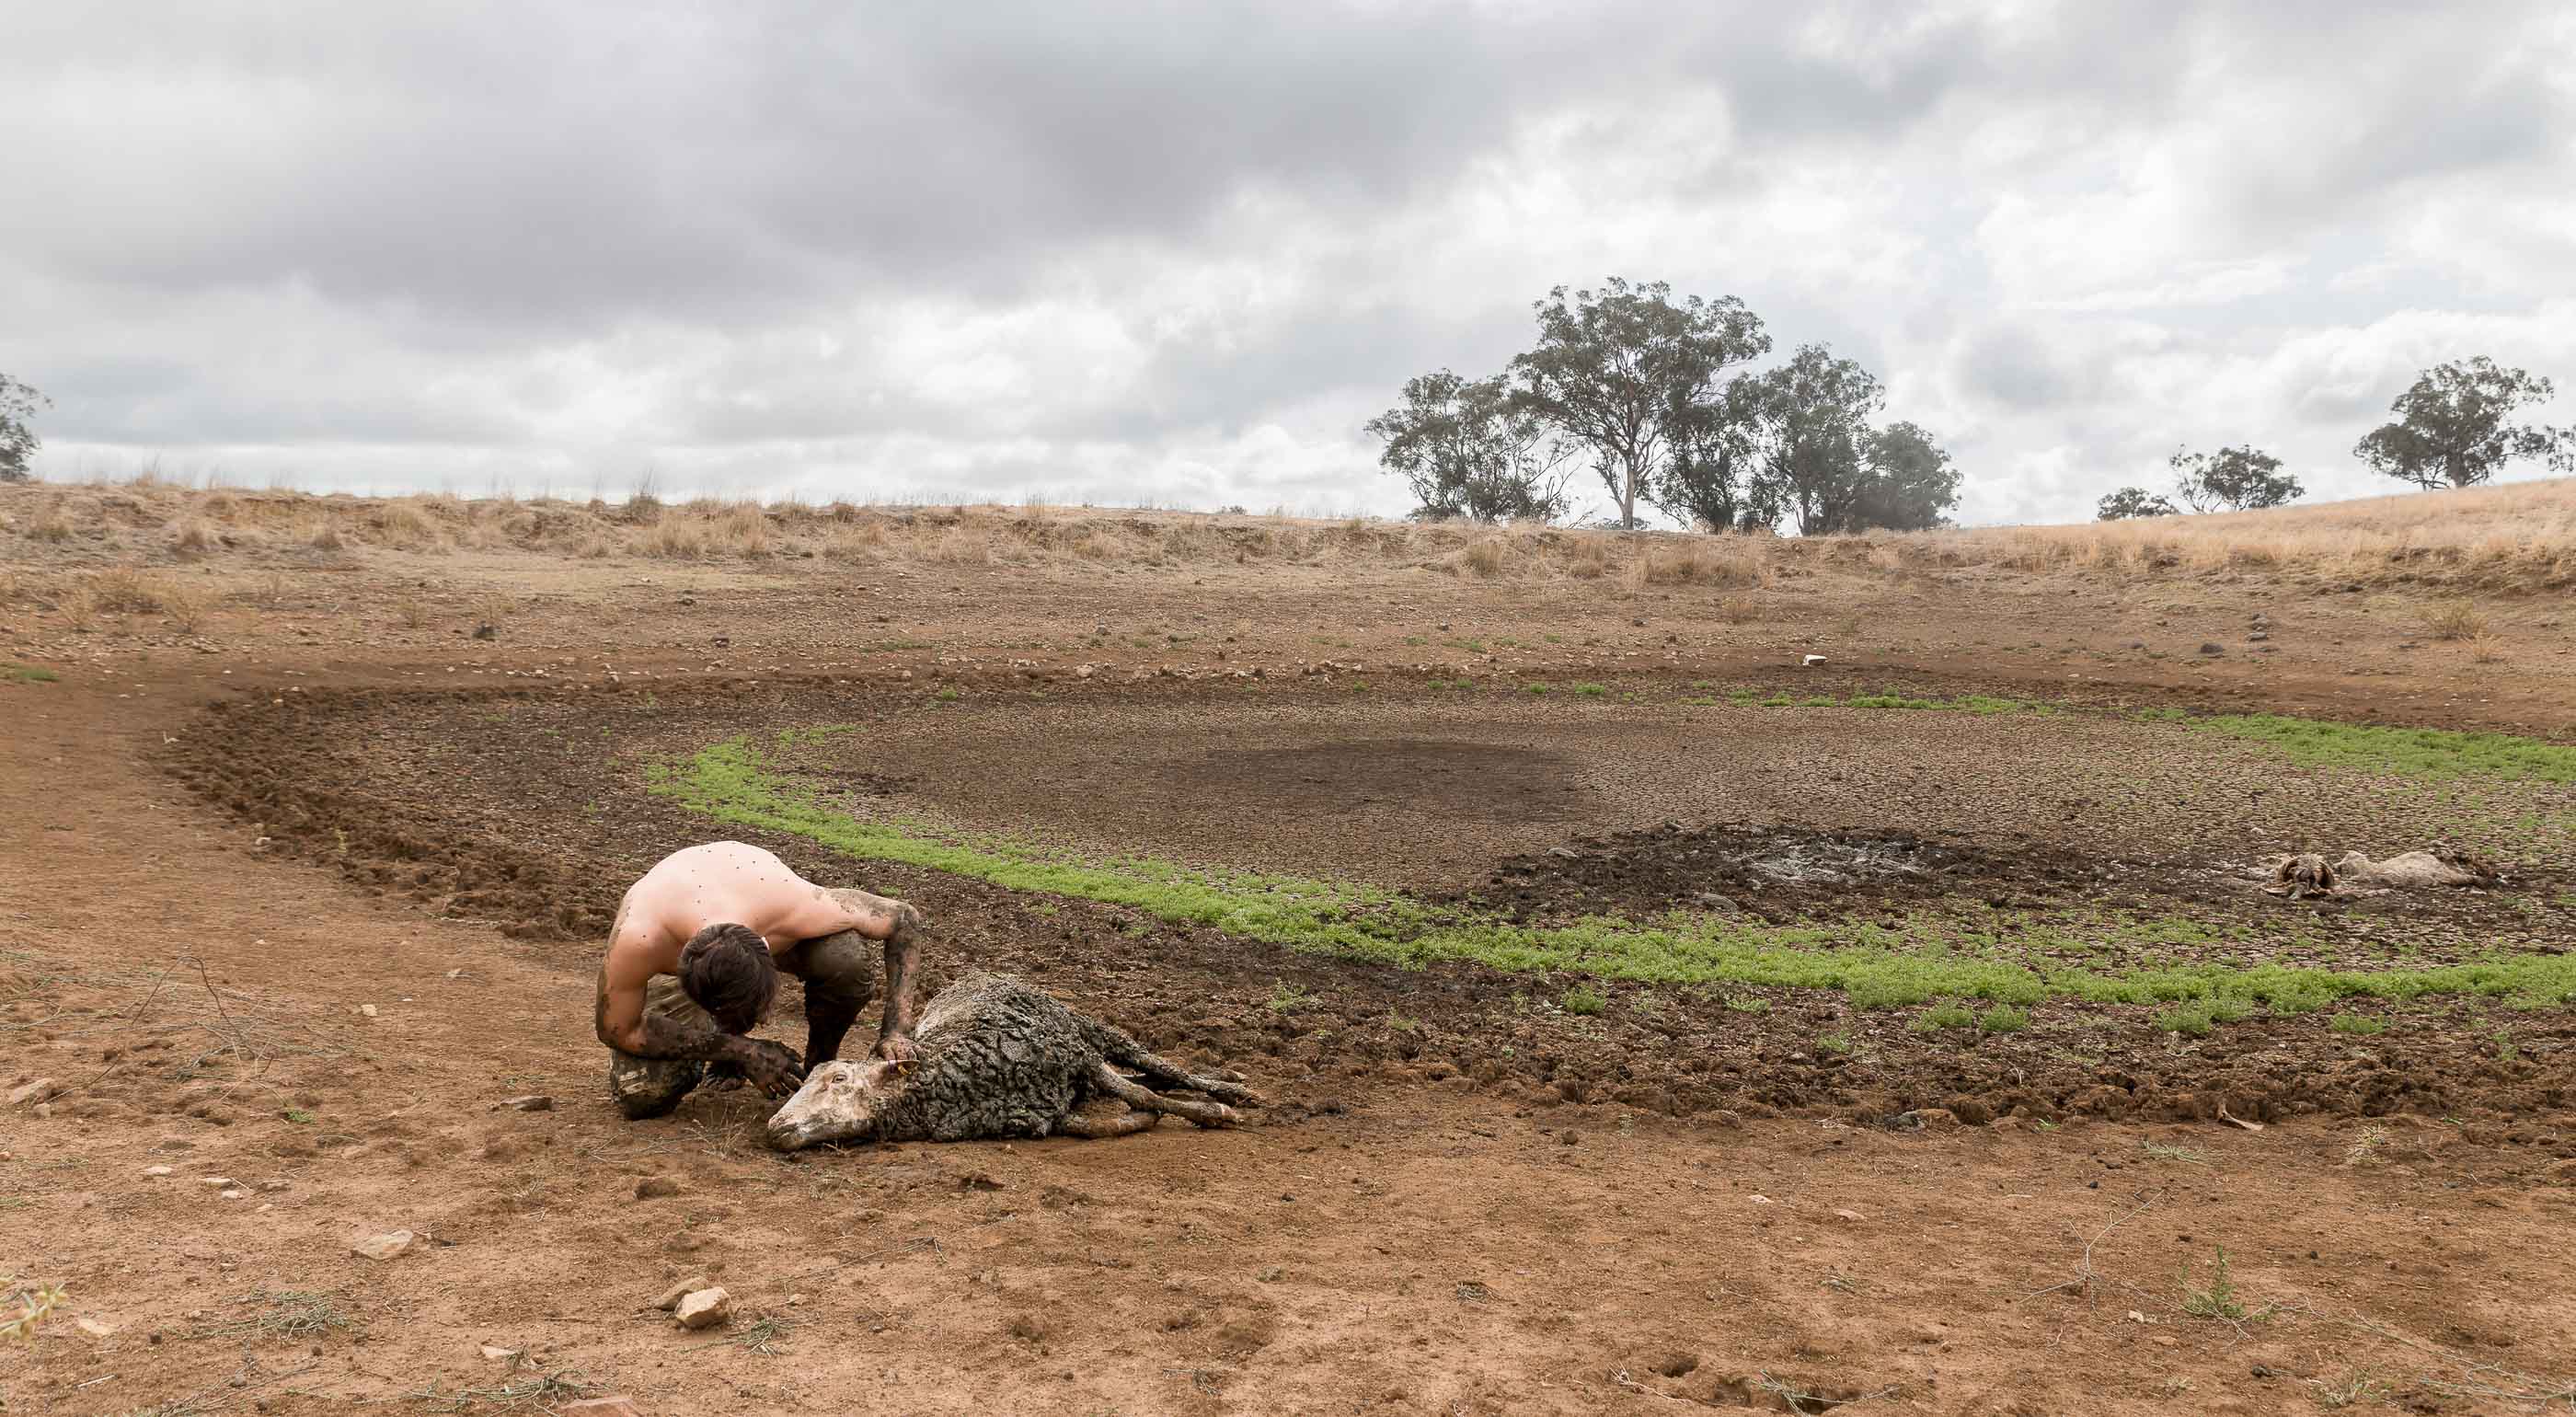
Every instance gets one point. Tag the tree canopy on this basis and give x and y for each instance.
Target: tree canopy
(2454, 427)
(2232, 480)
(18, 404)
(1627, 378)
(1624, 371)
(1468, 451)
(2133, 502)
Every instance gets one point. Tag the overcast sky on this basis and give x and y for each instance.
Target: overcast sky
(1180, 253)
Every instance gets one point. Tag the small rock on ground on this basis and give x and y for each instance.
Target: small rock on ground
(704, 1309)
(653, 1186)
(602, 1407)
(385, 1246)
(534, 1103)
(35, 1091)
(672, 1296)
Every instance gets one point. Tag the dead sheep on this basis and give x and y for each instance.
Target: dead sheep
(998, 1059)
(2310, 874)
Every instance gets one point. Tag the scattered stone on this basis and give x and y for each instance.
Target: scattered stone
(156, 1170)
(36, 1091)
(493, 1352)
(368, 1010)
(1811, 661)
(219, 1182)
(1711, 900)
(385, 1246)
(232, 1193)
(704, 1309)
(654, 1187)
(978, 1181)
(456, 974)
(1565, 853)
(42, 1110)
(2212, 647)
(487, 631)
(672, 1296)
(602, 1407)
(1638, 621)
(534, 1102)
(94, 1328)
(2259, 635)
(1568, 1137)
(1851, 1215)
(1270, 1274)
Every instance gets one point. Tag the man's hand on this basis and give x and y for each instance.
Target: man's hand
(772, 1067)
(897, 1048)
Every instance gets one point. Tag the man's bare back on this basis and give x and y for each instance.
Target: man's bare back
(734, 883)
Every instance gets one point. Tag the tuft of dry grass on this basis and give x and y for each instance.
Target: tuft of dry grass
(196, 537)
(742, 531)
(404, 526)
(1709, 561)
(413, 612)
(267, 591)
(1490, 556)
(327, 537)
(856, 543)
(79, 608)
(125, 590)
(2456, 620)
(673, 539)
(963, 546)
(185, 606)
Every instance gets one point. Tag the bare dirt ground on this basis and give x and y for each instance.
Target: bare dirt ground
(297, 895)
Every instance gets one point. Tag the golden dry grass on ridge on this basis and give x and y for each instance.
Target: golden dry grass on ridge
(2517, 537)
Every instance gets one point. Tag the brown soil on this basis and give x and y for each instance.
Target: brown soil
(1463, 1202)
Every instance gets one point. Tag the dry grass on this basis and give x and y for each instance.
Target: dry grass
(196, 537)
(407, 526)
(1708, 561)
(413, 612)
(2456, 620)
(79, 608)
(126, 591)
(1490, 556)
(2484, 541)
(185, 606)
(2516, 537)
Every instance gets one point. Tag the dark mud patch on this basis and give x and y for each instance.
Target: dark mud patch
(1467, 780)
(1778, 873)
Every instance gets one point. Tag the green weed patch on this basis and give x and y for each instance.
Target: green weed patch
(1877, 967)
(2404, 752)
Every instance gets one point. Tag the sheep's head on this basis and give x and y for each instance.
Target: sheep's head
(839, 1102)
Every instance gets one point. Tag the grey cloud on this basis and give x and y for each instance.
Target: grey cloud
(734, 239)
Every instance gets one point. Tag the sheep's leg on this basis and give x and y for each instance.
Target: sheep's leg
(1117, 1047)
(1126, 1123)
(1137, 1095)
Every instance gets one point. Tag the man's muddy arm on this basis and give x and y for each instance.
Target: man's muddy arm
(623, 1023)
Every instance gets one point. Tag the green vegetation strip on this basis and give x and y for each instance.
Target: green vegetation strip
(2406, 752)
(26, 673)
(1876, 966)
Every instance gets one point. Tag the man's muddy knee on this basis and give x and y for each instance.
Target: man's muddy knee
(645, 1088)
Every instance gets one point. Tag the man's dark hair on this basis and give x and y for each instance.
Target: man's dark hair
(727, 970)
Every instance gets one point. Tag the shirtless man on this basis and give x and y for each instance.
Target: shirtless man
(693, 965)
